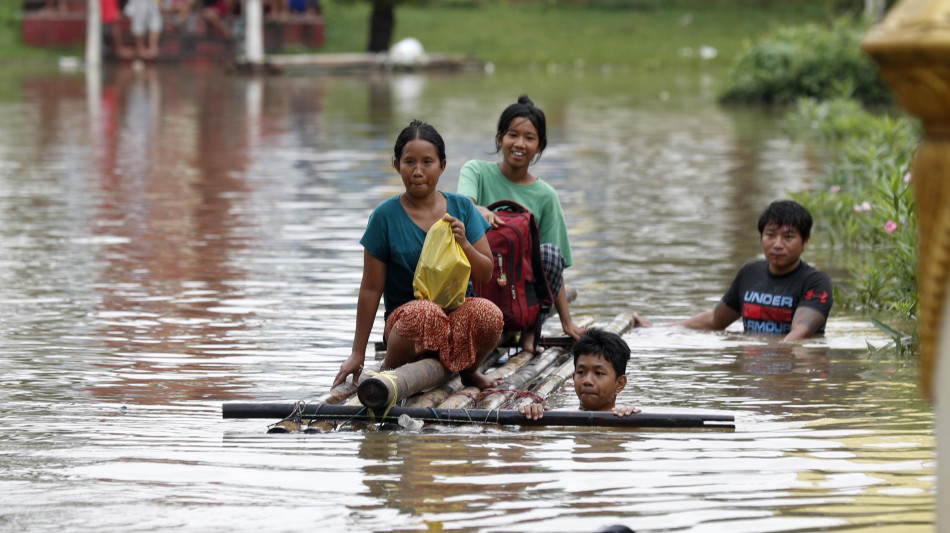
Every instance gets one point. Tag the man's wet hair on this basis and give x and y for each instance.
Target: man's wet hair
(608, 345)
(787, 213)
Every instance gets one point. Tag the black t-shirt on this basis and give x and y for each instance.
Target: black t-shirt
(767, 303)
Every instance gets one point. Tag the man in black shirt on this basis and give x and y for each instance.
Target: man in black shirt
(780, 295)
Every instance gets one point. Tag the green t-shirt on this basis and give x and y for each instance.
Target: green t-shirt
(483, 181)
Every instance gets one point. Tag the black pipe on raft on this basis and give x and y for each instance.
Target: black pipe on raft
(479, 416)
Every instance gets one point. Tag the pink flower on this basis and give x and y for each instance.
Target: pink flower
(862, 207)
(835, 189)
(890, 226)
(907, 178)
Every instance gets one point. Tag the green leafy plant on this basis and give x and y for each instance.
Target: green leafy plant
(902, 343)
(805, 61)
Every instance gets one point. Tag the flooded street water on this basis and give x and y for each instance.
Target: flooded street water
(174, 239)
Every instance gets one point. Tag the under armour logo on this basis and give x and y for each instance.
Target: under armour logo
(811, 294)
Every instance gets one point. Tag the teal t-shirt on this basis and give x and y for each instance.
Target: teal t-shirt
(393, 238)
(483, 181)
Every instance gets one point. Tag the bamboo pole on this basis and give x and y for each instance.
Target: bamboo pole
(323, 426)
(346, 391)
(326, 426)
(339, 394)
(546, 372)
(515, 382)
(437, 395)
(466, 397)
(386, 388)
(483, 416)
(549, 385)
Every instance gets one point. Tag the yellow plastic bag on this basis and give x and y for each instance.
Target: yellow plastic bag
(443, 270)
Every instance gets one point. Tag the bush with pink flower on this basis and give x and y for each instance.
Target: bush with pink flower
(863, 203)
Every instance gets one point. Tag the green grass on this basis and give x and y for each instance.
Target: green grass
(12, 50)
(649, 34)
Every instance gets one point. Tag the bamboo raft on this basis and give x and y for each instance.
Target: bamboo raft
(425, 393)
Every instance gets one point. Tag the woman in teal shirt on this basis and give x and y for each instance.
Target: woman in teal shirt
(393, 240)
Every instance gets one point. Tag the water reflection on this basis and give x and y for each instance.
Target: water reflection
(175, 238)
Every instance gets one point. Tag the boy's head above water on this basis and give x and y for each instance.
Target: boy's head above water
(600, 367)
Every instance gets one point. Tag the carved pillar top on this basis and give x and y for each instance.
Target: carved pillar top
(912, 47)
(911, 25)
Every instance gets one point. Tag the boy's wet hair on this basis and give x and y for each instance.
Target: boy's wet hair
(787, 213)
(523, 108)
(608, 345)
(418, 129)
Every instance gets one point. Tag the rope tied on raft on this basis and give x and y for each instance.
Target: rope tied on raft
(295, 414)
(391, 377)
(510, 395)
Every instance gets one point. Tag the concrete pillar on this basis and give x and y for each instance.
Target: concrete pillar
(912, 47)
(254, 32)
(93, 34)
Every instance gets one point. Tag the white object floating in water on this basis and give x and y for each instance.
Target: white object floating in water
(69, 63)
(407, 53)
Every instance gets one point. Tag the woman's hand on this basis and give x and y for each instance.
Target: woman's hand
(625, 410)
(458, 229)
(490, 216)
(478, 253)
(352, 365)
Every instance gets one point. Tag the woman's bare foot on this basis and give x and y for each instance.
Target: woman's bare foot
(474, 378)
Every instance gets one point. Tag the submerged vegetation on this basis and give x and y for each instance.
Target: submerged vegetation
(865, 200)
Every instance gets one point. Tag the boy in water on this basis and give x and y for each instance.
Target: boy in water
(600, 367)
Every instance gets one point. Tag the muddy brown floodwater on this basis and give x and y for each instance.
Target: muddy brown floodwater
(177, 238)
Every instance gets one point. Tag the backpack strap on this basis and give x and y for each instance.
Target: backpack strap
(540, 282)
(509, 205)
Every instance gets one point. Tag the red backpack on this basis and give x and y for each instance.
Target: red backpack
(518, 286)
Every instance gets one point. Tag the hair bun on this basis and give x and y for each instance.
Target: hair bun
(523, 99)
